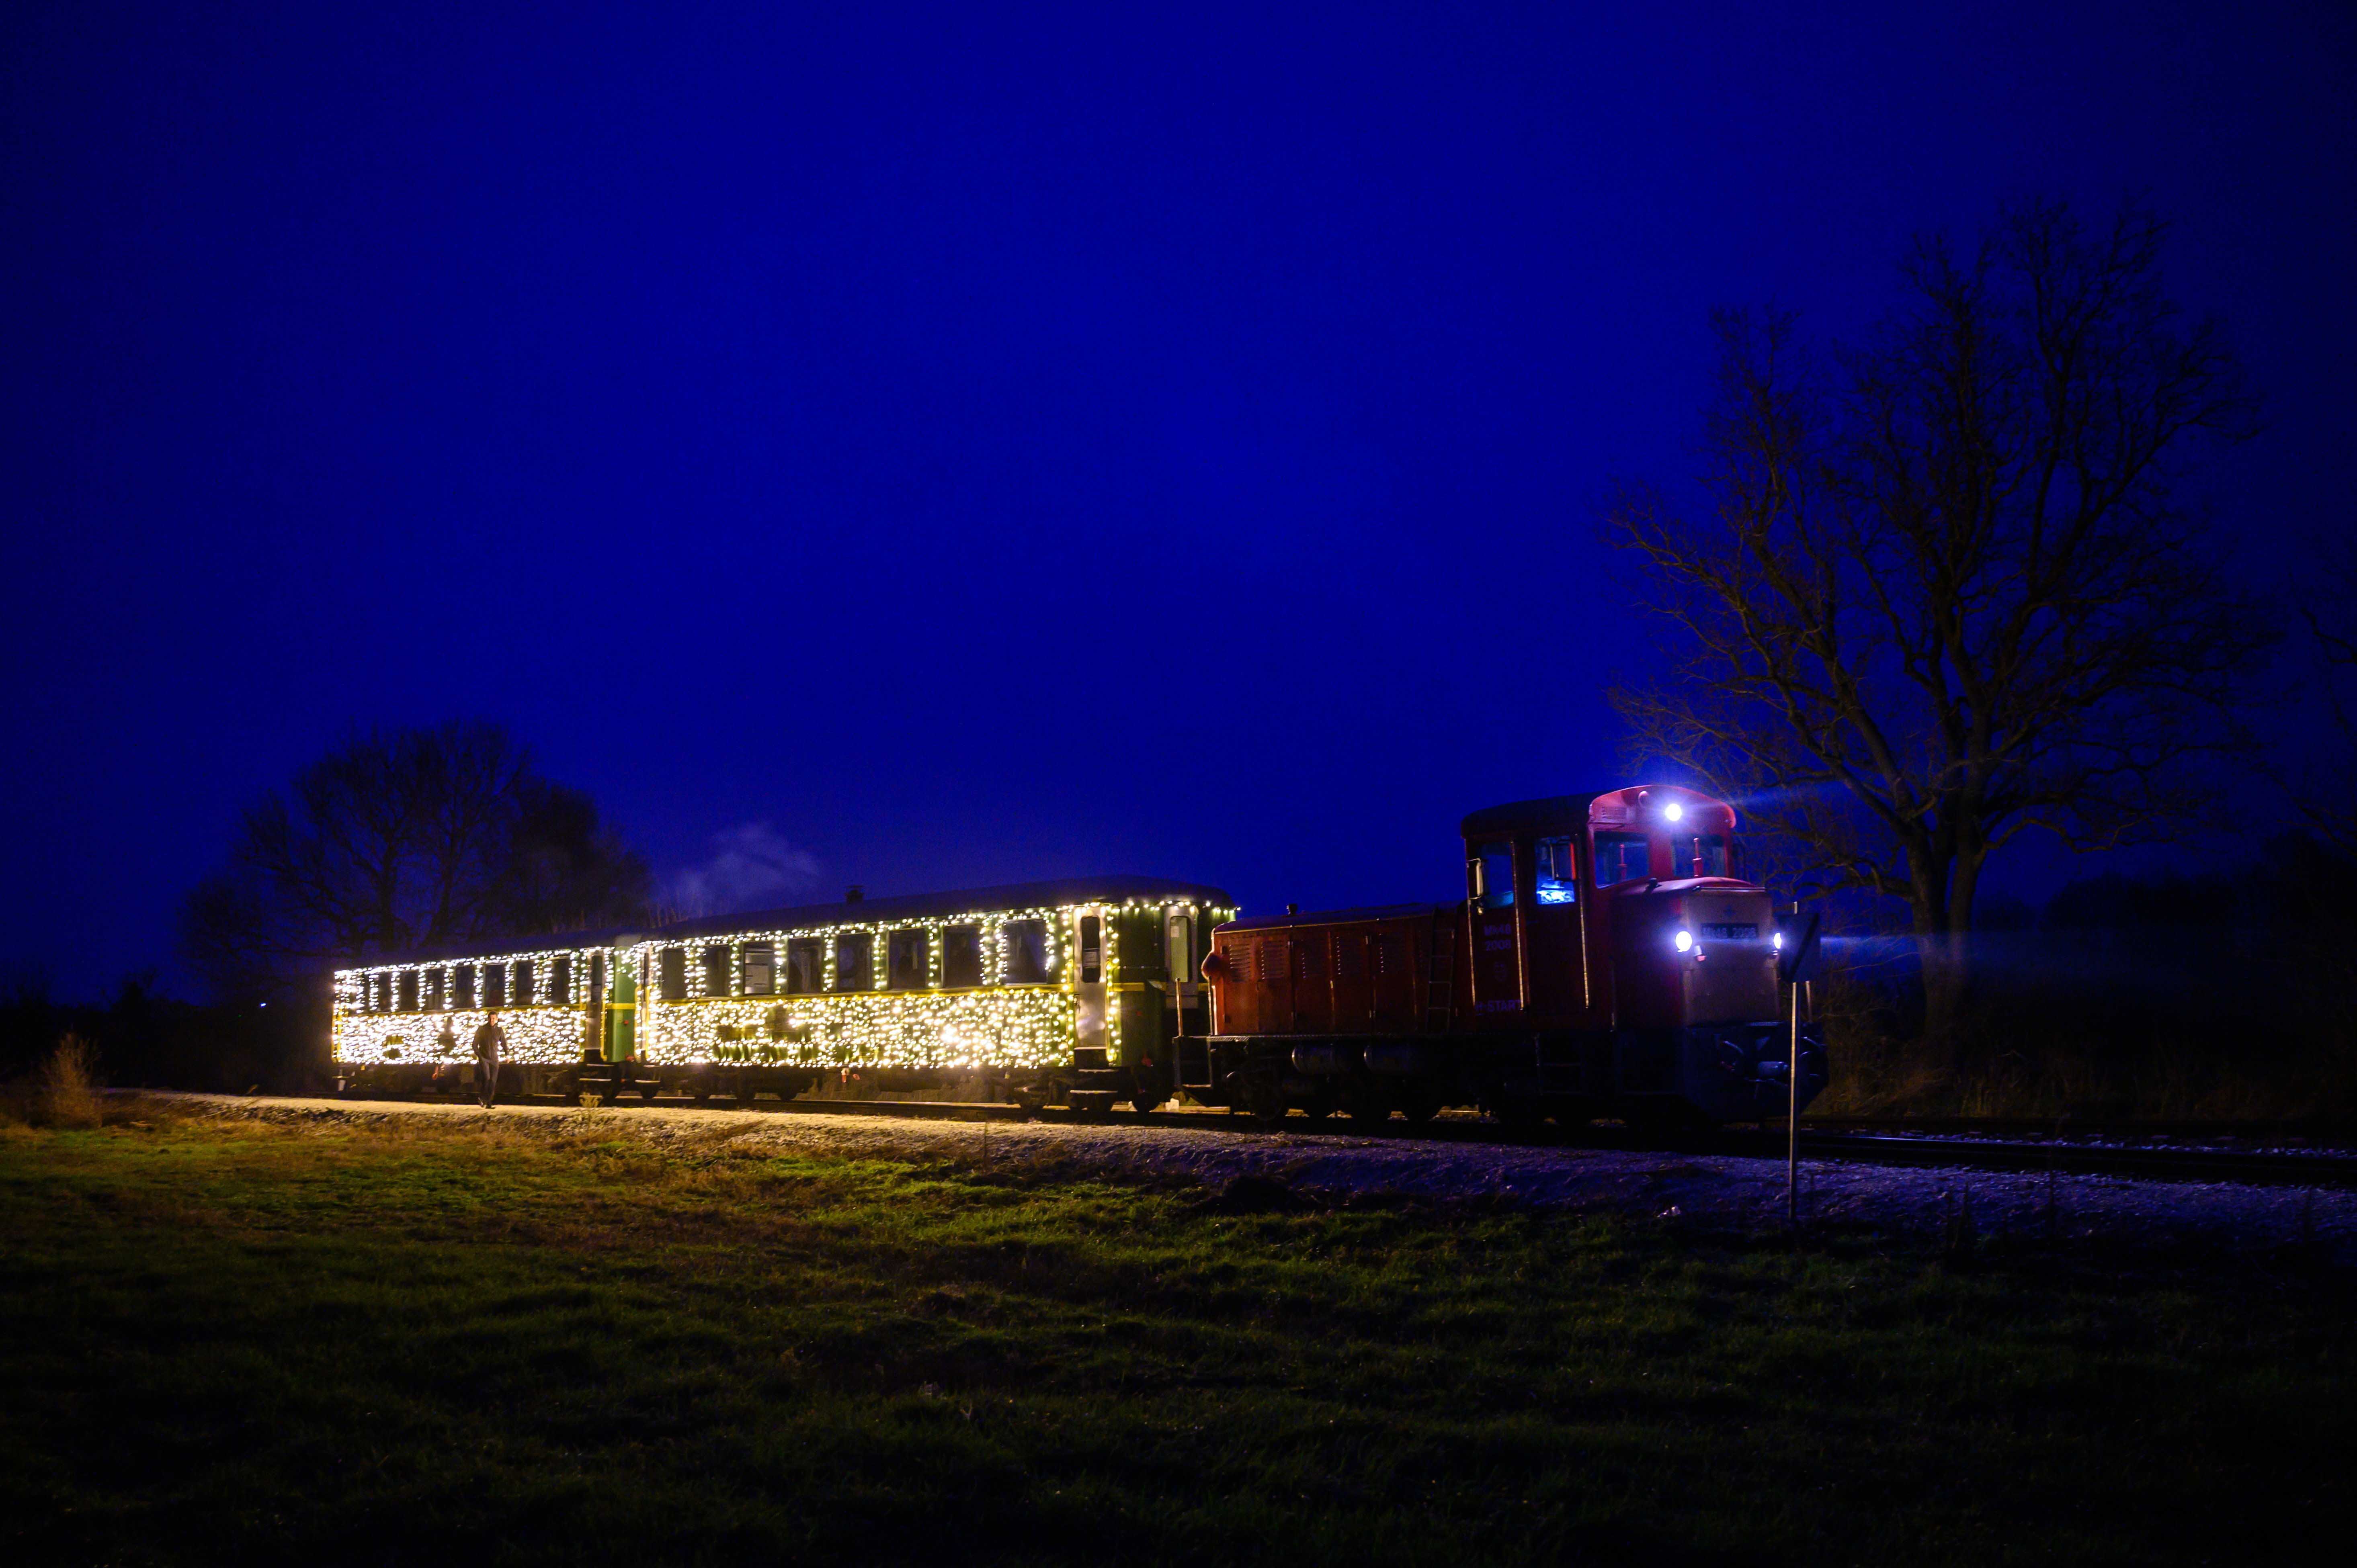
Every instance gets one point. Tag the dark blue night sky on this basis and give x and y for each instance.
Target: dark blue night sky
(970, 444)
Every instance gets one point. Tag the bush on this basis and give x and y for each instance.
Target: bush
(64, 1097)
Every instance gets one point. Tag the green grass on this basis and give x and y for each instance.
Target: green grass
(438, 1343)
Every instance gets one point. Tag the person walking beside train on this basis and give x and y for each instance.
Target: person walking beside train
(488, 1041)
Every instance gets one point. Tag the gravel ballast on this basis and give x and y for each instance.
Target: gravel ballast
(1713, 1191)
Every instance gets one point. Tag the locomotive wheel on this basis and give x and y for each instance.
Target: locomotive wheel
(1516, 1114)
(1265, 1103)
(1368, 1111)
(1420, 1111)
(1317, 1108)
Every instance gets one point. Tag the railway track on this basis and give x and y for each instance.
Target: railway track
(2141, 1162)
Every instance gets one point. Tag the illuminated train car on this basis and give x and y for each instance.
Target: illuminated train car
(1041, 992)
(1606, 962)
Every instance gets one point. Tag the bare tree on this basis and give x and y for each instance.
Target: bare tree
(1950, 586)
(407, 840)
(2324, 784)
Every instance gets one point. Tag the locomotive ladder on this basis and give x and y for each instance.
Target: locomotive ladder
(1440, 976)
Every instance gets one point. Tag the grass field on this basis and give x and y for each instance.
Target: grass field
(423, 1342)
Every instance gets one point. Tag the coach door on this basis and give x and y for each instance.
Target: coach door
(1497, 945)
(1089, 984)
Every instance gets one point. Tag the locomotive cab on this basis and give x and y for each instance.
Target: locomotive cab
(1614, 930)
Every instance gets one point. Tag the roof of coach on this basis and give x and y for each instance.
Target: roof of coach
(1058, 894)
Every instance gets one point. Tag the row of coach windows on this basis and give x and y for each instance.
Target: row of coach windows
(460, 986)
(906, 959)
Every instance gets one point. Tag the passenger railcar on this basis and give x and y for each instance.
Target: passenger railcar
(1040, 992)
(1606, 961)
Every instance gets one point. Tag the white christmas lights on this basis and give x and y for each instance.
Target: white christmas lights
(1000, 1025)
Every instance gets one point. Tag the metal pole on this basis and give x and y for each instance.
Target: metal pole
(1792, 1112)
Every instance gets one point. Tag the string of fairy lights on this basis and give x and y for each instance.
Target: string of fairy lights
(409, 1013)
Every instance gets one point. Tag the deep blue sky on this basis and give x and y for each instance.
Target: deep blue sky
(978, 443)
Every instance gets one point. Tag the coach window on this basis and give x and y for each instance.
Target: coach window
(495, 985)
(409, 991)
(1622, 857)
(855, 957)
(1026, 952)
(759, 969)
(560, 980)
(805, 965)
(437, 990)
(1493, 874)
(462, 985)
(523, 983)
(715, 970)
(671, 974)
(961, 957)
(1698, 854)
(909, 961)
(1557, 882)
(1179, 946)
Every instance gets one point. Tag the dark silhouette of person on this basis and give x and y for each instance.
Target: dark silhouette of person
(488, 1041)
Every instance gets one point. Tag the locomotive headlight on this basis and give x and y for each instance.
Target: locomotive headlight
(1777, 942)
(1673, 811)
(1684, 941)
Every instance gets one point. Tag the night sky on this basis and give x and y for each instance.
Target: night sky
(936, 447)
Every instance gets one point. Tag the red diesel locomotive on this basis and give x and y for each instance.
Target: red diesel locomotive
(1606, 961)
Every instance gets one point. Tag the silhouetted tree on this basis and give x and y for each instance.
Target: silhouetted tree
(2325, 790)
(406, 840)
(1950, 586)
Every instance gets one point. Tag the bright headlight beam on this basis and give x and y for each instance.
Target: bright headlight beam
(1684, 941)
(1674, 812)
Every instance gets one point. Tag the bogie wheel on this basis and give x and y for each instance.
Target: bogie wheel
(1266, 1104)
(1516, 1114)
(1367, 1110)
(1420, 1111)
(1145, 1105)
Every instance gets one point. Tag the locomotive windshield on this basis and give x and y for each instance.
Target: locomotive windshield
(1622, 857)
(1698, 854)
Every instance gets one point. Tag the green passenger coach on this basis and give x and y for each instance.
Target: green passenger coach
(1041, 993)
